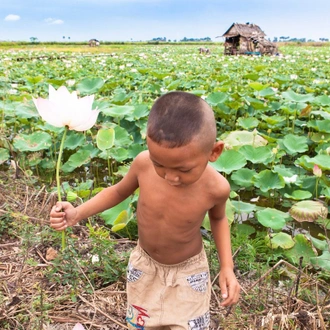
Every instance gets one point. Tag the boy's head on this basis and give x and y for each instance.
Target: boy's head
(178, 118)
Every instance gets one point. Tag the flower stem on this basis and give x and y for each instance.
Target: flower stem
(58, 182)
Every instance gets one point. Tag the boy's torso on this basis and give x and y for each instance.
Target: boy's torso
(169, 217)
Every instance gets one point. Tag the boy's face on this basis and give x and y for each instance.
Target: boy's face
(180, 166)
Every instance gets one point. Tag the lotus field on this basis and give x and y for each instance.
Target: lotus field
(273, 113)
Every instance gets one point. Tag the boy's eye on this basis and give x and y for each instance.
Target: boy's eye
(185, 171)
(157, 165)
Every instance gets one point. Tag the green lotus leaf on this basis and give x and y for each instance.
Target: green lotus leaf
(323, 100)
(255, 103)
(159, 75)
(267, 92)
(294, 144)
(134, 149)
(323, 161)
(326, 192)
(121, 218)
(105, 138)
(243, 177)
(34, 79)
(272, 218)
(119, 110)
(81, 157)
(274, 120)
(115, 213)
(4, 155)
(258, 86)
(215, 98)
(140, 111)
(198, 92)
(74, 140)
(299, 195)
(230, 213)
(305, 162)
(284, 170)
(229, 161)
(120, 97)
(243, 229)
(320, 125)
(90, 85)
(323, 114)
(302, 248)
(322, 261)
(27, 112)
(256, 155)
(322, 245)
(281, 240)
(118, 227)
(243, 207)
(123, 139)
(320, 137)
(119, 154)
(71, 196)
(33, 142)
(248, 123)
(251, 76)
(281, 78)
(308, 211)
(299, 98)
(240, 138)
(267, 180)
(174, 85)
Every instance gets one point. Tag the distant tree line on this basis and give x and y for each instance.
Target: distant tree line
(185, 39)
(288, 39)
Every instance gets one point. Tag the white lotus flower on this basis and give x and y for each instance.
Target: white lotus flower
(291, 179)
(63, 108)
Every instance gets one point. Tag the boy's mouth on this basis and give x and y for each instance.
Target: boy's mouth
(173, 183)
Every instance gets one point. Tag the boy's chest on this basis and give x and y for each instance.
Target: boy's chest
(157, 196)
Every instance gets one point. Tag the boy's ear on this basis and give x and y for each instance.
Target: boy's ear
(216, 151)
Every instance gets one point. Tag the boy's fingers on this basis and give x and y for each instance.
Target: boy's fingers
(58, 207)
(224, 290)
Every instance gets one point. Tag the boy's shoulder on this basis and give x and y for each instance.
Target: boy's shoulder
(216, 182)
(142, 159)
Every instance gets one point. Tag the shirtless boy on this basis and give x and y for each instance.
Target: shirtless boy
(168, 280)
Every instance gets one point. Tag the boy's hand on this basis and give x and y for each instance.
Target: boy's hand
(229, 287)
(62, 215)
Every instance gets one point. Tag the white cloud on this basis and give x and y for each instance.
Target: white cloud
(12, 17)
(54, 21)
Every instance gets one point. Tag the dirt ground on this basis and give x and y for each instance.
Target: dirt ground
(29, 301)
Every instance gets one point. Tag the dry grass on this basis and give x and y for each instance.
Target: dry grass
(28, 300)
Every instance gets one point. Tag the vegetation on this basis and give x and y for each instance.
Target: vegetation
(273, 113)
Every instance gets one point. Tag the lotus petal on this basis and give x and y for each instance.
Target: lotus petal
(63, 108)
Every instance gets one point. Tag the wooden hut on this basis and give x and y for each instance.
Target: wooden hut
(247, 39)
(93, 43)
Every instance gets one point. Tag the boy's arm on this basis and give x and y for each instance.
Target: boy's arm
(229, 285)
(64, 215)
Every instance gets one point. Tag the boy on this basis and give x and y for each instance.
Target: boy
(168, 281)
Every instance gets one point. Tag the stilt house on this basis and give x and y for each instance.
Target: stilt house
(247, 39)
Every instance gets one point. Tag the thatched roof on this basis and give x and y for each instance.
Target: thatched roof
(245, 30)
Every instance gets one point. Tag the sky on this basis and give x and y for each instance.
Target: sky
(141, 20)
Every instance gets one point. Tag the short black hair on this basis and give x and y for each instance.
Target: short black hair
(176, 118)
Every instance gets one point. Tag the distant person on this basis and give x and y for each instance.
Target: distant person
(168, 279)
(203, 50)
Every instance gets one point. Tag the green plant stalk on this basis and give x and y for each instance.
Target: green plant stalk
(316, 187)
(58, 181)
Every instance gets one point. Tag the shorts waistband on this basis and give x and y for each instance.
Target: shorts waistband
(196, 258)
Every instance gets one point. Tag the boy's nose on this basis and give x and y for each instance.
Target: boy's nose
(171, 176)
